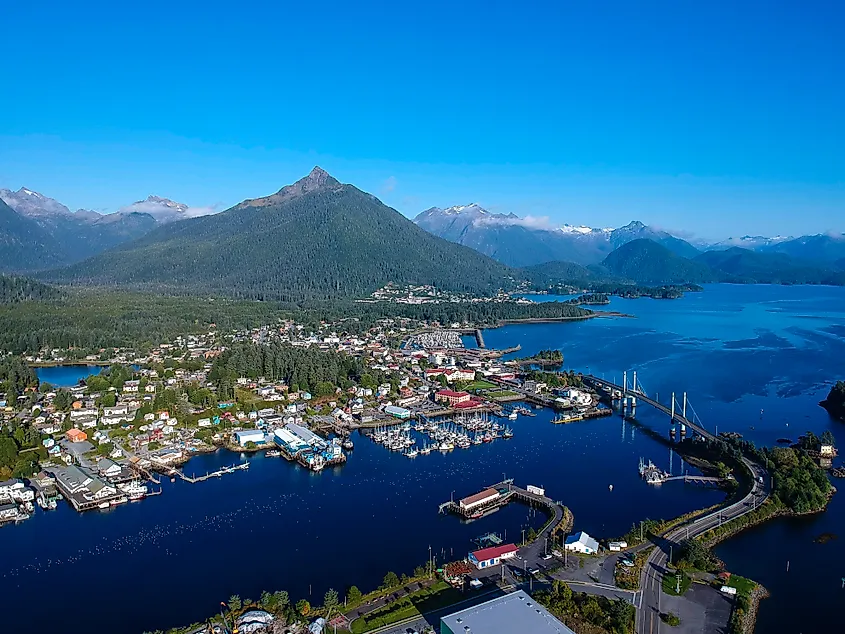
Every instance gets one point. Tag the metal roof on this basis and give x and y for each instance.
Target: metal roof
(515, 612)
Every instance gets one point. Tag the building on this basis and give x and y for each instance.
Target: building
(451, 398)
(479, 499)
(397, 412)
(249, 435)
(577, 397)
(582, 543)
(306, 435)
(487, 557)
(76, 435)
(512, 613)
(292, 443)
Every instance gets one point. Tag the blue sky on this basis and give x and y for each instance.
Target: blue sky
(710, 119)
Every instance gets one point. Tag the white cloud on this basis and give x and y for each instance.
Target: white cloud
(541, 223)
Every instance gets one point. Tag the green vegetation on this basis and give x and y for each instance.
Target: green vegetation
(646, 261)
(835, 401)
(19, 289)
(580, 610)
(434, 597)
(544, 357)
(671, 584)
(314, 239)
(555, 379)
(671, 619)
(307, 368)
(743, 265)
(479, 385)
(744, 588)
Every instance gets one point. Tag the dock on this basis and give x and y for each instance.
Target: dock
(214, 474)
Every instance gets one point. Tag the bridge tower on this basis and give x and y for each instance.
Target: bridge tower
(672, 417)
(683, 426)
(632, 401)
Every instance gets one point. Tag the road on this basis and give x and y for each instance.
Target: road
(651, 578)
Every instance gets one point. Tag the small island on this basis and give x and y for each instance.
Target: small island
(835, 401)
(543, 358)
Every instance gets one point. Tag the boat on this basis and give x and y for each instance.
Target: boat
(412, 453)
(426, 449)
(348, 445)
(121, 500)
(273, 453)
(512, 416)
(508, 433)
(103, 505)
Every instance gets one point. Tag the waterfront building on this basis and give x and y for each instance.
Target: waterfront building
(397, 412)
(249, 435)
(582, 543)
(451, 398)
(479, 499)
(514, 612)
(487, 557)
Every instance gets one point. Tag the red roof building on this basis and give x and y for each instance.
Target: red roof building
(487, 557)
(451, 398)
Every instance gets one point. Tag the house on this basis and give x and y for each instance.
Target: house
(582, 543)
(76, 435)
(8, 511)
(487, 557)
(576, 397)
(108, 468)
(15, 489)
(451, 398)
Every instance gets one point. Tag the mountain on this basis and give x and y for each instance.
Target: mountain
(24, 244)
(753, 243)
(165, 210)
(768, 268)
(645, 261)
(57, 236)
(316, 238)
(523, 242)
(558, 272)
(819, 248)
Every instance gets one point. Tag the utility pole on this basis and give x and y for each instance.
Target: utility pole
(523, 537)
(429, 561)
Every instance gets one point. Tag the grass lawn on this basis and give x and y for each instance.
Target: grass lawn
(670, 584)
(480, 385)
(440, 595)
(743, 586)
(502, 394)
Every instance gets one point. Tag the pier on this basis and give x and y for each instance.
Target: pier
(214, 474)
(507, 491)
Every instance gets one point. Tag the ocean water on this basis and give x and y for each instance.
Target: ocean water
(753, 359)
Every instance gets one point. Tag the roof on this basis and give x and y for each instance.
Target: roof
(483, 495)
(494, 552)
(583, 538)
(452, 394)
(515, 612)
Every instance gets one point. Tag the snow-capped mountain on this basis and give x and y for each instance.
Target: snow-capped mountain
(526, 241)
(748, 242)
(166, 210)
(32, 204)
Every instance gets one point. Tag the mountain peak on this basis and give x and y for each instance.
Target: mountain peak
(29, 202)
(318, 179)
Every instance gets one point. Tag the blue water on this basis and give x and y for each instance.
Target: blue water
(736, 350)
(66, 375)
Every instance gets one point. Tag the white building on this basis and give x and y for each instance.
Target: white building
(582, 543)
(249, 435)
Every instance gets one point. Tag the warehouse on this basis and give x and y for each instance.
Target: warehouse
(307, 436)
(514, 612)
(479, 499)
(397, 412)
(288, 441)
(249, 435)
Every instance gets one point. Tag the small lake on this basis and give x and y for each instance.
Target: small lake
(67, 375)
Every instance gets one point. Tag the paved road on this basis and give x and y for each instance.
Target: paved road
(651, 579)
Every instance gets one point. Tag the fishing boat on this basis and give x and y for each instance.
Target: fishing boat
(512, 415)
(348, 445)
(412, 453)
(103, 505)
(508, 433)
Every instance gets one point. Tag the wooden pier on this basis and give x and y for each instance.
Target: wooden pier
(214, 474)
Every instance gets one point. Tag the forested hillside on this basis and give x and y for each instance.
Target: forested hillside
(20, 289)
(768, 268)
(646, 261)
(311, 369)
(314, 239)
